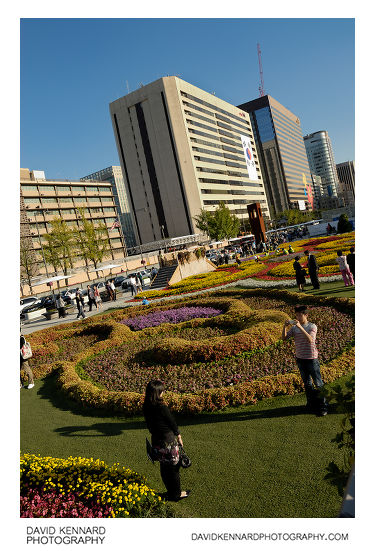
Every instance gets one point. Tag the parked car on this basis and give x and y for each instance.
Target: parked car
(42, 302)
(146, 279)
(119, 281)
(100, 286)
(28, 301)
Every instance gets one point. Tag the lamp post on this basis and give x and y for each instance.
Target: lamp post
(163, 236)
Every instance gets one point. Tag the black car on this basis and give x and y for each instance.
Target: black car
(43, 302)
(119, 281)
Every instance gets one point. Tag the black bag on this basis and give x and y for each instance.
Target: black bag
(184, 458)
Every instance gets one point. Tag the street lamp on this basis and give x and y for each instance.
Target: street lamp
(163, 236)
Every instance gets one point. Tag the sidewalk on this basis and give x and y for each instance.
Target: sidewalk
(41, 323)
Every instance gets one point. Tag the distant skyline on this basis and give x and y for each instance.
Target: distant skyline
(71, 69)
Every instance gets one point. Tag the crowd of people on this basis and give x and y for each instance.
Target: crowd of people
(346, 264)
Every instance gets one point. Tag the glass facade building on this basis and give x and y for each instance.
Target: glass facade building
(113, 174)
(321, 160)
(282, 154)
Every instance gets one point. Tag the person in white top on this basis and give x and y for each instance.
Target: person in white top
(344, 269)
(133, 285)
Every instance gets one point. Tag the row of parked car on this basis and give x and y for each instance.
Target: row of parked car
(31, 304)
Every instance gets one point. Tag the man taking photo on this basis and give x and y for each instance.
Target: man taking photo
(304, 334)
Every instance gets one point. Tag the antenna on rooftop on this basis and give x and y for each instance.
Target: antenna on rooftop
(261, 87)
(127, 86)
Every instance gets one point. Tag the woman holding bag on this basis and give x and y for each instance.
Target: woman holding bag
(165, 439)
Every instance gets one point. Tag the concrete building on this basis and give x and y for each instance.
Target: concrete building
(282, 154)
(43, 199)
(181, 150)
(113, 174)
(321, 160)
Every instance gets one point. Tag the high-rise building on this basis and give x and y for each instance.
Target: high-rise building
(43, 199)
(282, 154)
(346, 176)
(183, 150)
(321, 160)
(318, 188)
(113, 174)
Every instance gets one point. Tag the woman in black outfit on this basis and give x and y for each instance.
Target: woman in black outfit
(300, 274)
(165, 439)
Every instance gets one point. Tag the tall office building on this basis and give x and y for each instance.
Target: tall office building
(346, 176)
(43, 199)
(320, 156)
(282, 154)
(113, 174)
(181, 150)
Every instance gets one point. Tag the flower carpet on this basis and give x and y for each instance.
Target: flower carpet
(233, 357)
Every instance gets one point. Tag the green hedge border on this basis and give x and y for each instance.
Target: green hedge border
(130, 403)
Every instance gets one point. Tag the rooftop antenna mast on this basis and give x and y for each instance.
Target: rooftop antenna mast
(261, 87)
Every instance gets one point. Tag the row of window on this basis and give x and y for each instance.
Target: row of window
(214, 107)
(64, 212)
(65, 189)
(217, 130)
(225, 172)
(212, 137)
(230, 192)
(228, 182)
(65, 200)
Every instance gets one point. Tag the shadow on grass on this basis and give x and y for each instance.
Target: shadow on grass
(118, 423)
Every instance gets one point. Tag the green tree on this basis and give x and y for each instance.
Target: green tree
(61, 248)
(28, 261)
(92, 241)
(218, 224)
(343, 225)
(296, 216)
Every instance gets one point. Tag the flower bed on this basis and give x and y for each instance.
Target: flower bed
(84, 488)
(173, 315)
(199, 358)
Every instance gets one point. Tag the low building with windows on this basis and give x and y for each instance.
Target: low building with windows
(43, 199)
(182, 150)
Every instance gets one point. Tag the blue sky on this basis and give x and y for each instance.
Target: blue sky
(71, 69)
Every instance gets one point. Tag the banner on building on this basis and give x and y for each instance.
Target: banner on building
(249, 158)
(308, 191)
(301, 205)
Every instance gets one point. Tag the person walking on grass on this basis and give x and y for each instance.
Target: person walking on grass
(344, 269)
(351, 262)
(300, 274)
(25, 366)
(313, 269)
(165, 439)
(304, 334)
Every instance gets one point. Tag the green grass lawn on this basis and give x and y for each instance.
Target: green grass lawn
(266, 460)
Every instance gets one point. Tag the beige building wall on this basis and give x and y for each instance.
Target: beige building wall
(176, 145)
(42, 200)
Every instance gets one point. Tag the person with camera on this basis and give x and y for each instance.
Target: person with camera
(166, 439)
(304, 334)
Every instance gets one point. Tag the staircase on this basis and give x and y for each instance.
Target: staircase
(163, 276)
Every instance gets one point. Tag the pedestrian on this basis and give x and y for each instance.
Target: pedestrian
(344, 269)
(304, 334)
(133, 285)
(80, 304)
(138, 283)
(313, 269)
(290, 249)
(238, 260)
(112, 285)
(226, 257)
(351, 262)
(165, 439)
(98, 298)
(300, 273)
(25, 354)
(109, 290)
(60, 305)
(91, 297)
